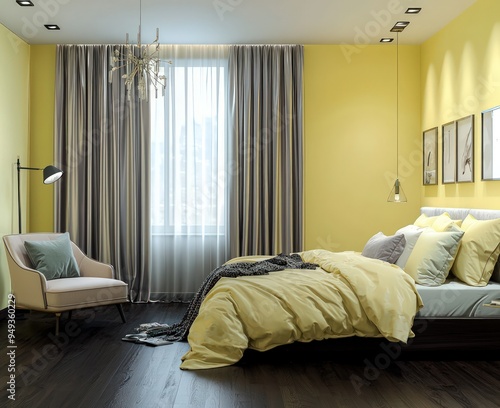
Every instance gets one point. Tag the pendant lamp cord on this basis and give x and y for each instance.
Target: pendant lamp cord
(397, 105)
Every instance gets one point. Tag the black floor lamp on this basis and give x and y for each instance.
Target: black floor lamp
(50, 175)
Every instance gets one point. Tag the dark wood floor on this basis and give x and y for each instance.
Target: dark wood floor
(89, 366)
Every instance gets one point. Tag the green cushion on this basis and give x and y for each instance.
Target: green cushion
(54, 258)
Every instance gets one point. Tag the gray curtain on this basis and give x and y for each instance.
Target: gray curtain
(266, 103)
(102, 144)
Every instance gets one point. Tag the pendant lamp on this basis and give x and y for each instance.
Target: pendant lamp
(397, 194)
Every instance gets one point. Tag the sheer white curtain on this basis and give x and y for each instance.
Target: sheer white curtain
(189, 231)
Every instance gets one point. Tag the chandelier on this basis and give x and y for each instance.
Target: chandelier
(141, 63)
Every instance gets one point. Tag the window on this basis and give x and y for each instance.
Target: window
(188, 150)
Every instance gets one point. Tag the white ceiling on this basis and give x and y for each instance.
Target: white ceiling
(227, 21)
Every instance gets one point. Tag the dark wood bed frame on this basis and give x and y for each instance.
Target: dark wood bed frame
(436, 339)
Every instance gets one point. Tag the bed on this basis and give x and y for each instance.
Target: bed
(348, 300)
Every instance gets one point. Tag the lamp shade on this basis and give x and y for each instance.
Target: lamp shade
(51, 174)
(397, 195)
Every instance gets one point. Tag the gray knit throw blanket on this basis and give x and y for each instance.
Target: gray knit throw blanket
(179, 331)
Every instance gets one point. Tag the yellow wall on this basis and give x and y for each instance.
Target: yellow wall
(14, 130)
(350, 143)
(42, 94)
(460, 77)
(350, 127)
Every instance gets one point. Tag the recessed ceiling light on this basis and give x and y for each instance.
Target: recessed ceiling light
(24, 3)
(51, 26)
(413, 10)
(386, 40)
(400, 26)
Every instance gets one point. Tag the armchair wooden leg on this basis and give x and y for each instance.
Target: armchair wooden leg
(70, 313)
(122, 315)
(58, 318)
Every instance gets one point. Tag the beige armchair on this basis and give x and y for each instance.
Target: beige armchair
(95, 286)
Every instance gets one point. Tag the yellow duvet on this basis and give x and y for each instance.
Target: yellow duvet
(349, 295)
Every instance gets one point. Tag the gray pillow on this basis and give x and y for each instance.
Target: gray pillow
(54, 258)
(385, 248)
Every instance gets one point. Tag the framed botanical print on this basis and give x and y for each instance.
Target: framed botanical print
(430, 156)
(465, 149)
(449, 157)
(490, 158)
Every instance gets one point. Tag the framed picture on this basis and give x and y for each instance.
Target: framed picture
(430, 156)
(490, 120)
(449, 159)
(465, 149)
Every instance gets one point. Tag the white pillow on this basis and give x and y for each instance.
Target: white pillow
(431, 260)
(411, 233)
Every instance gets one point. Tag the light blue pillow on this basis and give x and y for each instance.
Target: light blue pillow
(54, 258)
(385, 248)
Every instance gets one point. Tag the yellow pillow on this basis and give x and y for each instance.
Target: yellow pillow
(424, 221)
(479, 251)
(443, 223)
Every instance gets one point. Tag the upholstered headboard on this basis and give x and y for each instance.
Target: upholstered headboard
(461, 213)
